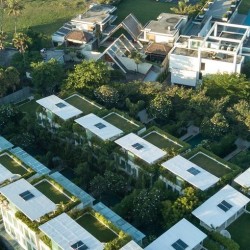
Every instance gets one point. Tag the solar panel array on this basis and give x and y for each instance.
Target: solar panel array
(60, 105)
(79, 245)
(132, 25)
(85, 198)
(179, 245)
(27, 195)
(4, 144)
(119, 222)
(100, 125)
(225, 206)
(137, 146)
(193, 171)
(30, 161)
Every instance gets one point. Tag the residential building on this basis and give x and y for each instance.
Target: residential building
(186, 171)
(67, 234)
(166, 29)
(220, 210)
(244, 180)
(131, 246)
(5, 144)
(183, 235)
(6, 175)
(222, 50)
(96, 126)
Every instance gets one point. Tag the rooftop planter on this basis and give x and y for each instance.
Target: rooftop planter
(206, 6)
(225, 17)
(201, 14)
(233, 4)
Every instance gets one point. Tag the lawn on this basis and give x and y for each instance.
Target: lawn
(244, 7)
(97, 229)
(51, 192)
(240, 231)
(85, 106)
(44, 16)
(210, 165)
(160, 141)
(120, 122)
(29, 107)
(13, 166)
(144, 10)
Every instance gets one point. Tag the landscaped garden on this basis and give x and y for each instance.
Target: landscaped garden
(240, 231)
(83, 104)
(120, 122)
(211, 165)
(51, 192)
(161, 141)
(12, 165)
(96, 228)
(144, 10)
(29, 107)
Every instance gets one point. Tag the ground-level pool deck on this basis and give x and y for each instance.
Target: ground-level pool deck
(96, 228)
(210, 164)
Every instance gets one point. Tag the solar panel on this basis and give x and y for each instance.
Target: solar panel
(79, 245)
(193, 171)
(100, 125)
(137, 146)
(225, 206)
(27, 195)
(60, 105)
(179, 245)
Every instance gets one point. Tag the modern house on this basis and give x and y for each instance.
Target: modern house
(21, 196)
(185, 170)
(131, 246)
(221, 50)
(53, 106)
(66, 234)
(166, 29)
(96, 126)
(133, 148)
(244, 180)
(183, 235)
(5, 144)
(5, 175)
(220, 210)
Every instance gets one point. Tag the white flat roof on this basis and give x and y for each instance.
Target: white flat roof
(184, 231)
(131, 246)
(66, 232)
(214, 216)
(59, 107)
(243, 179)
(34, 207)
(99, 127)
(141, 148)
(5, 174)
(190, 172)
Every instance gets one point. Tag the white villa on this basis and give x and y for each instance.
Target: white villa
(220, 210)
(5, 174)
(187, 171)
(244, 179)
(97, 126)
(183, 235)
(221, 50)
(131, 246)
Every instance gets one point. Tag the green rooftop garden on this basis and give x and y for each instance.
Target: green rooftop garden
(96, 228)
(83, 104)
(122, 123)
(52, 192)
(240, 231)
(12, 165)
(211, 165)
(29, 107)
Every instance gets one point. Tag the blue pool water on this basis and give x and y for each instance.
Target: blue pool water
(247, 20)
(195, 140)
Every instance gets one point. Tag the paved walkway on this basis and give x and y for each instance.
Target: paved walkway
(143, 116)
(191, 131)
(241, 146)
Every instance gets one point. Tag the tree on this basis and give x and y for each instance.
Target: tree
(3, 5)
(12, 77)
(160, 107)
(184, 8)
(88, 74)
(137, 57)
(3, 38)
(46, 76)
(15, 9)
(107, 95)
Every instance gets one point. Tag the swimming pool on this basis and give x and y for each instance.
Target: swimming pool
(247, 20)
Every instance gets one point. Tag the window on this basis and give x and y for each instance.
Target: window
(225, 206)
(193, 171)
(79, 245)
(100, 125)
(179, 245)
(123, 164)
(60, 105)
(27, 195)
(203, 66)
(137, 146)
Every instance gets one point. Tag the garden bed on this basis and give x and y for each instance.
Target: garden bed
(83, 104)
(53, 193)
(96, 228)
(121, 122)
(210, 164)
(161, 141)
(12, 165)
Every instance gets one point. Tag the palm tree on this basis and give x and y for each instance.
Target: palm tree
(2, 8)
(15, 9)
(184, 8)
(137, 57)
(3, 37)
(20, 41)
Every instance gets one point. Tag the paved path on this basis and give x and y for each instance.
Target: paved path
(191, 131)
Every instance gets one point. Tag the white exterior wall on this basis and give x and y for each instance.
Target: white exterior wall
(58, 39)
(183, 62)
